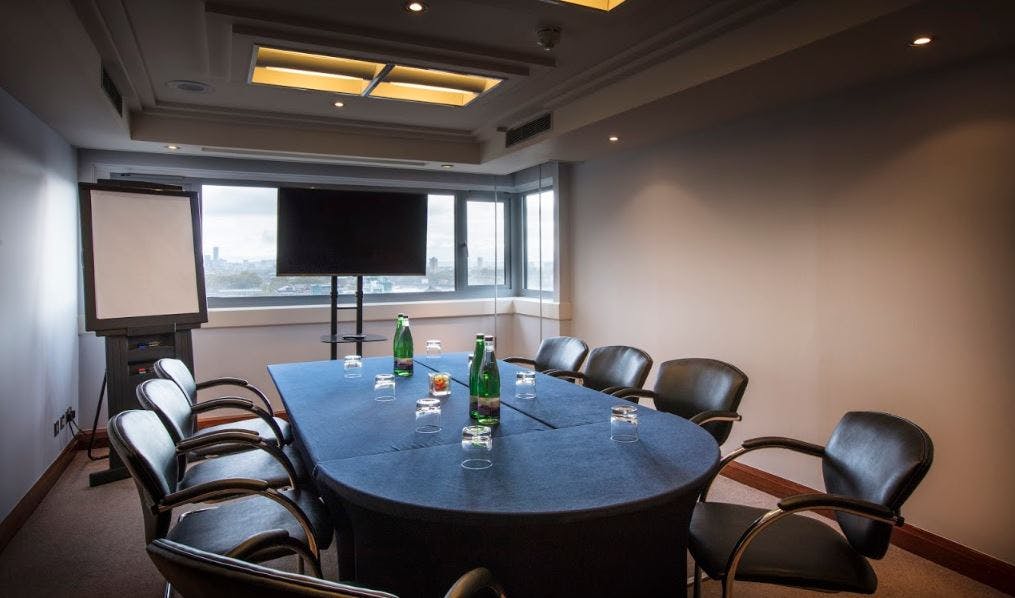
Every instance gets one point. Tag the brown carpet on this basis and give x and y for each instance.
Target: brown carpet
(88, 542)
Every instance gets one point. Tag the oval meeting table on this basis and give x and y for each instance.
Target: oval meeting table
(563, 511)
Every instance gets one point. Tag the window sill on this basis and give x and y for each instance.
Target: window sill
(241, 317)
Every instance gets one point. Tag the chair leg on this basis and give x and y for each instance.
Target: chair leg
(300, 568)
(167, 592)
(697, 581)
(727, 587)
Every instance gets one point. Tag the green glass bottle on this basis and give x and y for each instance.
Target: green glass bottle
(403, 350)
(477, 359)
(399, 321)
(488, 386)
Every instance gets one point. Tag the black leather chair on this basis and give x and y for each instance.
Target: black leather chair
(199, 574)
(150, 455)
(611, 368)
(705, 391)
(266, 427)
(871, 465)
(563, 353)
(246, 455)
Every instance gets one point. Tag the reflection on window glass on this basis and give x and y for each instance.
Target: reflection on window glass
(539, 241)
(485, 256)
(238, 236)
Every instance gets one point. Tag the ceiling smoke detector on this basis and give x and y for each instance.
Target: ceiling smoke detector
(189, 86)
(548, 37)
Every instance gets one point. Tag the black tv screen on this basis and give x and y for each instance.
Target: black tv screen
(334, 232)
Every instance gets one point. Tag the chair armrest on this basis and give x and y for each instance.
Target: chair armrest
(715, 416)
(231, 381)
(807, 448)
(566, 374)
(792, 444)
(234, 487)
(473, 582)
(272, 538)
(244, 437)
(521, 360)
(836, 502)
(626, 392)
(245, 405)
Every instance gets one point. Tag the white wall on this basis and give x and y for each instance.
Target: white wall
(853, 253)
(38, 296)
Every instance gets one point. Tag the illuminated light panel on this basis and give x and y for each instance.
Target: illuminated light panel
(287, 68)
(432, 86)
(596, 4)
(923, 40)
(302, 70)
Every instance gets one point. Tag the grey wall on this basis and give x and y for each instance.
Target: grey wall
(38, 296)
(849, 254)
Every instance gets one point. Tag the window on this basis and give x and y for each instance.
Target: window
(539, 241)
(239, 225)
(485, 233)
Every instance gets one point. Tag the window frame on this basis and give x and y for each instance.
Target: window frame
(523, 247)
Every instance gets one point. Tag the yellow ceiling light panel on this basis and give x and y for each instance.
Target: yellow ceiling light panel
(432, 86)
(597, 4)
(302, 70)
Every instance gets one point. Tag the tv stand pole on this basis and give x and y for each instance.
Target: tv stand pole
(359, 337)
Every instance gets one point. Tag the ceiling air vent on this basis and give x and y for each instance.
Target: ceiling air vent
(530, 129)
(112, 92)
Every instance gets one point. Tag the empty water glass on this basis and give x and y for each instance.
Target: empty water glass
(477, 444)
(440, 384)
(353, 366)
(624, 423)
(434, 348)
(428, 415)
(525, 385)
(384, 387)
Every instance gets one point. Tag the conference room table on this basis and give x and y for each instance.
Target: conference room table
(563, 511)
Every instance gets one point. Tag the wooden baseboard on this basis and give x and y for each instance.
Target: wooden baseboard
(26, 506)
(964, 560)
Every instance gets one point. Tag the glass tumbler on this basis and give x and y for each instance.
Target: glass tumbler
(434, 349)
(624, 423)
(353, 366)
(525, 385)
(440, 384)
(428, 415)
(477, 444)
(384, 387)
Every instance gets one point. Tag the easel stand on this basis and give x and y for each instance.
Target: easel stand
(334, 339)
(130, 358)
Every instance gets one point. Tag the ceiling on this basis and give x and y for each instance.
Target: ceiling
(649, 68)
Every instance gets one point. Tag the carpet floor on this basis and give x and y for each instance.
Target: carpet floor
(88, 542)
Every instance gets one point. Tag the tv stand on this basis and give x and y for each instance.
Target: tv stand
(335, 339)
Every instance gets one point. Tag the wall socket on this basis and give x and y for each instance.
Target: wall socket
(67, 417)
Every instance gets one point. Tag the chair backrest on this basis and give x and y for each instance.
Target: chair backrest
(561, 353)
(691, 386)
(173, 407)
(876, 457)
(149, 454)
(197, 574)
(177, 371)
(617, 366)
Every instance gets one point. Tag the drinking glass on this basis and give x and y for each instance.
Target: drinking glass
(525, 385)
(353, 366)
(624, 423)
(434, 348)
(477, 444)
(384, 387)
(440, 384)
(428, 415)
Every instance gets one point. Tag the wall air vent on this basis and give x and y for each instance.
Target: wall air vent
(112, 92)
(530, 129)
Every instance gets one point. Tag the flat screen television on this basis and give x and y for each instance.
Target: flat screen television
(334, 232)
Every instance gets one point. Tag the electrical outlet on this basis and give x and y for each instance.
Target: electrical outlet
(63, 422)
(56, 427)
(69, 415)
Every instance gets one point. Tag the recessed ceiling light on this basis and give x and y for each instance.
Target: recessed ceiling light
(447, 165)
(173, 147)
(606, 5)
(189, 86)
(614, 139)
(415, 6)
(923, 40)
(338, 104)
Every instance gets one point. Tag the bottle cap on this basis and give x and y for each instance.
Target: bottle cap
(488, 338)
(480, 335)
